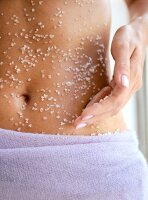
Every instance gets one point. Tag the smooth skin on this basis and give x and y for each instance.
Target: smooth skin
(128, 50)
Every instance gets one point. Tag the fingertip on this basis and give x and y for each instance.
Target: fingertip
(76, 120)
(122, 80)
(122, 72)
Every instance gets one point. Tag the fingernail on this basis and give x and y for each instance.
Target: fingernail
(124, 81)
(87, 117)
(81, 125)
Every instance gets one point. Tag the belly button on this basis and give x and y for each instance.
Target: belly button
(26, 97)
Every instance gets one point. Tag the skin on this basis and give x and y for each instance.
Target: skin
(75, 27)
(31, 106)
(131, 41)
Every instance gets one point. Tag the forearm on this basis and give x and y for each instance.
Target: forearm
(139, 14)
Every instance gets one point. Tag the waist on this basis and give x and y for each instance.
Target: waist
(50, 78)
(51, 114)
(49, 98)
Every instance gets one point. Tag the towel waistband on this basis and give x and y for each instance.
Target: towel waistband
(15, 139)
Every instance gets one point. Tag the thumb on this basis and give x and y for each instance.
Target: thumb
(122, 66)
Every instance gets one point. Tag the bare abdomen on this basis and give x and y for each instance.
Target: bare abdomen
(53, 59)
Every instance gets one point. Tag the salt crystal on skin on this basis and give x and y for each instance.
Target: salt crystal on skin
(49, 76)
(45, 118)
(29, 79)
(41, 109)
(41, 25)
(16, 124)
(34, 109)
(51, 36)
(40, 2)
(82, 74)
(93, 134)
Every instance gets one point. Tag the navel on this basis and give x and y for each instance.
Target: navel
(26, 98)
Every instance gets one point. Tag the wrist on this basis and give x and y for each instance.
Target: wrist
(141, 24)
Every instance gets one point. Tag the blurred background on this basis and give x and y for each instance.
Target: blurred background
(136, 110)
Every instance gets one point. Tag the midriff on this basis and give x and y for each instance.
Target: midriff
(54, 56)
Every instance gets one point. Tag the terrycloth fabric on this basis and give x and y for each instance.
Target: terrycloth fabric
(60, 167)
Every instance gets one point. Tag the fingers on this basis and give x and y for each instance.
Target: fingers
(107, 107)
(97, 98)
(128, 53)
(111, 109)
(100, 95)
(98, 111)
(117, 98)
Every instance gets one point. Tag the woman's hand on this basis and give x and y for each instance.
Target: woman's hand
(128, 50)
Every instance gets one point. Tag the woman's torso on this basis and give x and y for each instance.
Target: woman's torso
(53, 59)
